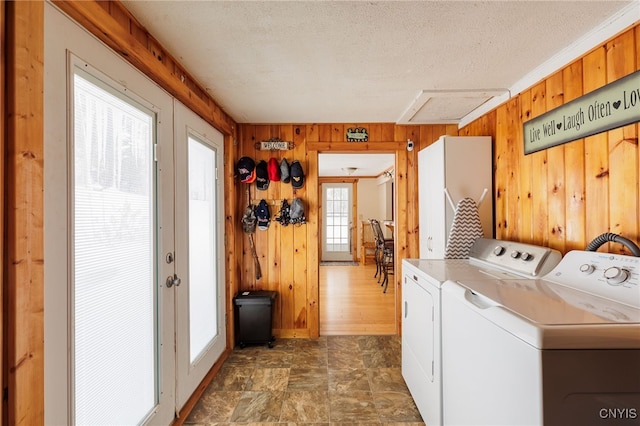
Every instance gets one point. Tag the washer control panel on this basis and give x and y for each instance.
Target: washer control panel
(523, 259)
(613, 276)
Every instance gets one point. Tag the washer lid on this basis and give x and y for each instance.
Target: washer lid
(544, 302)
(551, 316)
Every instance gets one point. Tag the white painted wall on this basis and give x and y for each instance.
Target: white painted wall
(370, 203)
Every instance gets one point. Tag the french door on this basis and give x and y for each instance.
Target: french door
(199, 213)
(337, 220)
(134, 284)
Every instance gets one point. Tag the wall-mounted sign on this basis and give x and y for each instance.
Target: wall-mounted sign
(274, 144)
(606, 108)
(357, 134)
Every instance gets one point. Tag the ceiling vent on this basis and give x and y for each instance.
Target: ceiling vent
(445, 106)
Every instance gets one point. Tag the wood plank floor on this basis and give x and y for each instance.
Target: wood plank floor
(352, 302)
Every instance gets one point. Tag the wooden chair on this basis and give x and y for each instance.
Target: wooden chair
(384, 254)
(367, 243)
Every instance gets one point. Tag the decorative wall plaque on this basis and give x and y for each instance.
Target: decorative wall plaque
(274, 144)
(357, 134)
(611, 106)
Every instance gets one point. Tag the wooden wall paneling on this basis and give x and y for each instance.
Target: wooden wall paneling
(24, 145)
(623, 149)
(338, 133)
(426, 138)
(353, 147)
(574, 168)
(451, 129)
(539, 175)
(3, 46)
(501, 161)
(556, 190)
(311, 132)
(402, 215)
(513, 152)
(324, 132)
(247, 271)
(637, 34)
(300, 243)
(273, 234)
(410, 170)
(525, 195)
(313, 257)
(387, 132)
(596, 154)
(261, 238)
(375, 131)
(232, 233)
(284, 276)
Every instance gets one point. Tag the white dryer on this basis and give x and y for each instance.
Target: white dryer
(489, 259)
(560, 350)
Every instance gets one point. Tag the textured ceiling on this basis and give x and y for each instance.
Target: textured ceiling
(366, 61)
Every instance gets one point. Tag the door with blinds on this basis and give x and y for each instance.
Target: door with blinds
(199, 213)
(134, 277)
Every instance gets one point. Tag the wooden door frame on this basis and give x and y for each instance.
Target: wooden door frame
(400, 235)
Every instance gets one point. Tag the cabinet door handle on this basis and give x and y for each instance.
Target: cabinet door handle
(406, 307)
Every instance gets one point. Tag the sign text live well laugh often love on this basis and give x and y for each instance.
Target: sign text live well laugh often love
(611, 106)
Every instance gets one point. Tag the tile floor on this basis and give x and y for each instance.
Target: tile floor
(335, 379)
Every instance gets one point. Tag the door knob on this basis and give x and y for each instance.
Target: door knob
(173, 280)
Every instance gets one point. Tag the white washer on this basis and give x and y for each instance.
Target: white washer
(560, 350)
(490, 259)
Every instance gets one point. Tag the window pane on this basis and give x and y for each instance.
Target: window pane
(202, 236)
(114, 338)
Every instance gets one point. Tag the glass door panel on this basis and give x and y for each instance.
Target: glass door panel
(203, 325)
(337, 207)
(114, 298)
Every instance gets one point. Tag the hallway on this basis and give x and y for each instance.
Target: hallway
(334, 379)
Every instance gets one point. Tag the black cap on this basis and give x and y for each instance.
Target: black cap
(262, 176)
(246, 169)
(297, 175)
(263, 215)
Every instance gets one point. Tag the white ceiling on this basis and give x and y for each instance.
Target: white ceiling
(369, 165)
(365, 61)
(374, 61)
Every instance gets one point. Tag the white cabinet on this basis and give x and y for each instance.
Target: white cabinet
(462, 165)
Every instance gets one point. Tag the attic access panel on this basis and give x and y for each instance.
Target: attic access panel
(445, 106)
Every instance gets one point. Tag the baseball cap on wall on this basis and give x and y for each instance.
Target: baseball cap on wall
(249, 220)
(246, 169)
(273, 169)
(297, 175)
(263, 215)
(262, 176)
(296, 212)
(285, 174)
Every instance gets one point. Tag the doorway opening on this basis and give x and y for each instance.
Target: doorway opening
(355, 188)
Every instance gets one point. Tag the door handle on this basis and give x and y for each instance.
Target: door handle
(173, 280)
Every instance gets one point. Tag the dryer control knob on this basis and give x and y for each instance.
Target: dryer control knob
(526, 256)
(515, 254)
(498, 251)
(587, 269)
(616, 275)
